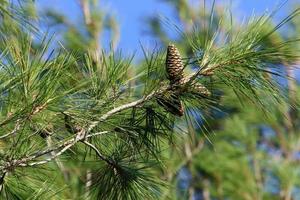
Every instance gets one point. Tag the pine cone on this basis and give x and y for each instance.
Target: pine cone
(200, 89)
(174, 65)
(171, 104)
(195, 88)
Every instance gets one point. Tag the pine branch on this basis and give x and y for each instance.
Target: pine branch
(23, 162)
(97, 100)
(81, 135)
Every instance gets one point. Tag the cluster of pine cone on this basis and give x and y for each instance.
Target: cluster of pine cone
(170, 101)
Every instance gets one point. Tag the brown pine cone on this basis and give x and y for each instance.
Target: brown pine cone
(171, 103)
(200, 89)
(197, 88)
(174, 65)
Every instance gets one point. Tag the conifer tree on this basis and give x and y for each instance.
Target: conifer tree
(79, 122)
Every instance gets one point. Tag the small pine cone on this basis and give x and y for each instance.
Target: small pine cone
(200, 89)
(174, 65)
(171, 104)
(196, 88)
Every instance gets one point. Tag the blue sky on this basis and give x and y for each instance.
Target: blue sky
(131, 14)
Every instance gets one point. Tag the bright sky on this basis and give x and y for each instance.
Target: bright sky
(131, 14)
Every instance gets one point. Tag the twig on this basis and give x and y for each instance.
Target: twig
(17, 127)
(86, 11)
(96, 134)
(35, 111)
(25, 161)
(98, 152)
(65, 145)
(92, 29)
(48, 159)
(121, 108)
(88, 183)
(60, 165)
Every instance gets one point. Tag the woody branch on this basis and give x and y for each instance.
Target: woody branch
(84, 133)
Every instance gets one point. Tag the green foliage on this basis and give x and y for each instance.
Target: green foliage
(241, 163)
(88, 123)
